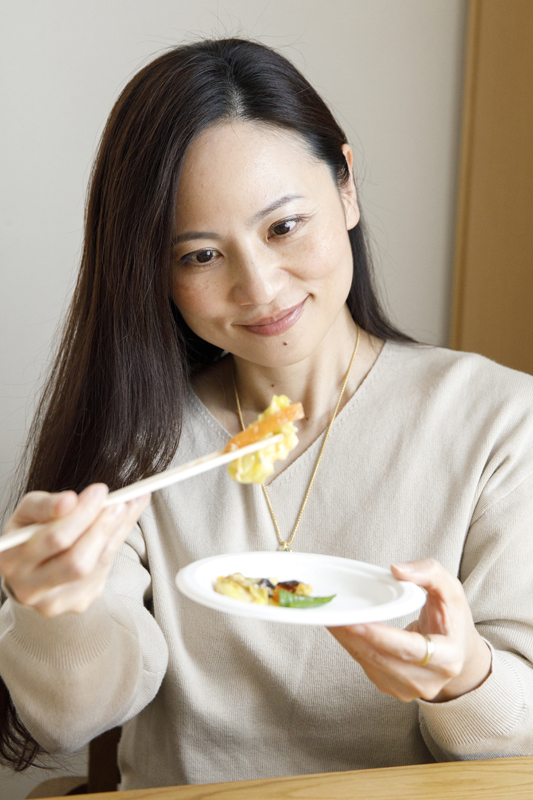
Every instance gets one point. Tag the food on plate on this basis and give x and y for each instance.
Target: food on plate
(278, 418)
(269, 591)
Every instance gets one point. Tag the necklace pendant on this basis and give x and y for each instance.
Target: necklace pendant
(285, 548)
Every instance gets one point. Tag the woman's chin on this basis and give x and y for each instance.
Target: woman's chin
(274, 354)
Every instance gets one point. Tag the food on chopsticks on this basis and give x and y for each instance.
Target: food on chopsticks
(269, 591)
(279, 417)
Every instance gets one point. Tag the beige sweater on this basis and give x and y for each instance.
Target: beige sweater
(433, 456)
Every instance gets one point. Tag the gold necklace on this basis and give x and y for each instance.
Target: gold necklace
(286, 544)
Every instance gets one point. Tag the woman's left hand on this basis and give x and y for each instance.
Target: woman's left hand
(391, 657)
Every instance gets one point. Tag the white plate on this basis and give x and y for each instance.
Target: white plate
(364, 592)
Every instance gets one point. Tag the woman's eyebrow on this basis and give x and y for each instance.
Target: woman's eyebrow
(272, 207)
(191, 235)
(188, 235)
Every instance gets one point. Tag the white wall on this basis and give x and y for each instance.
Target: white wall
(390, 69)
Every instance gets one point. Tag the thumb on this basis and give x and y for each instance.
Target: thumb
(431, 576)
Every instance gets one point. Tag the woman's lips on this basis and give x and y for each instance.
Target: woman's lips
(280, 324)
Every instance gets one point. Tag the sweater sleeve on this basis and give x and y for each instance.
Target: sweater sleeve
(496, 719)
(74, 676)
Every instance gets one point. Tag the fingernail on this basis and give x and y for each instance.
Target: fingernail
(117, 511)
(361, 629)
(97, 491)
(407, 567)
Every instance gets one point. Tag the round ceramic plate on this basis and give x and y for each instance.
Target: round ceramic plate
(363, 592)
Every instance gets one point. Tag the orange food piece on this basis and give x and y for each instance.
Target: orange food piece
(271, 424)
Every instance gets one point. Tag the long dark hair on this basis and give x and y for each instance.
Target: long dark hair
(111, 409)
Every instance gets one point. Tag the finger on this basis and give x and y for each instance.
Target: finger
(431, 576)
(90, 556)
(52, 580)
(99, 545)
(381, 643)
(135, 509)
(41, 507)
(65, 504)
(61, 533)
(83, 559)
(401, 679)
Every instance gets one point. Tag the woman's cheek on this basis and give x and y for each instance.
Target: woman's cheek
(327, 256)
(194, 297)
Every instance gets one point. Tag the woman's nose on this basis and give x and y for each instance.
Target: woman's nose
(258, 278)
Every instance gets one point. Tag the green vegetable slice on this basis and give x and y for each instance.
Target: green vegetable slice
(291, 600)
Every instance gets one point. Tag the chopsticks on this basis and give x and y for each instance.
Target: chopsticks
(174, 475)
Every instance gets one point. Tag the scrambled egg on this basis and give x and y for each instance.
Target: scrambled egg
(262, 591)
(256, 467)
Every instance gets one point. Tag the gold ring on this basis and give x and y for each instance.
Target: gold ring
(430, 649)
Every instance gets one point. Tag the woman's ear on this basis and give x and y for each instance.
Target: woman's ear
(348, 192)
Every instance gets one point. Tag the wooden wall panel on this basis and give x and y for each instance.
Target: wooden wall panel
(493, 293)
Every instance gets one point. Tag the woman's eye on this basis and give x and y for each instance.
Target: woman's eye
(199, 257)
(205, 256)
(284, 227)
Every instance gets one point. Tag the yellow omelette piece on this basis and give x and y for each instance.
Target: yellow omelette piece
(256, 467)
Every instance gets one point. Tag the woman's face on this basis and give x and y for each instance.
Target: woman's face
(262, 263)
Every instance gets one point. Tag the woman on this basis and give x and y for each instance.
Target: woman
(224, 262)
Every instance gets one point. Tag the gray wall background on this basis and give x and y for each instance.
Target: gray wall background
(391, 71)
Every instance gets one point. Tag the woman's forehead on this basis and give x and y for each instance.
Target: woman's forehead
(239, 135)
(243, 166)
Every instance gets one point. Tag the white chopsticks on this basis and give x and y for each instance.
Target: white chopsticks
(152, 484)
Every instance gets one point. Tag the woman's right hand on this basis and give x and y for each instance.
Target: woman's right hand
(64, 567)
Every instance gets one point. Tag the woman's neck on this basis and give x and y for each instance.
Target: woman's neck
(315, 381)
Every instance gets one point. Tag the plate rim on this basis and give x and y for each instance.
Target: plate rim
(412, 597)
